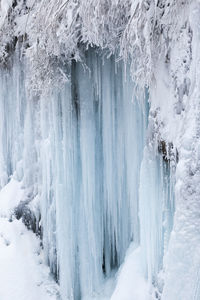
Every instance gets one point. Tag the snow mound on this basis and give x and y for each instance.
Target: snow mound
(23, 275)
(131, 284)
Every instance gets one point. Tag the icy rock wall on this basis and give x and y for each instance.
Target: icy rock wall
(177, 92)
(156, 211)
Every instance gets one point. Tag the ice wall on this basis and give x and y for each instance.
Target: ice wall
(93, 146)
(12, 107)
(94, 181)
(156, 211)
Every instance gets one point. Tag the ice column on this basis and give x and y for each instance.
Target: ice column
(93, 134)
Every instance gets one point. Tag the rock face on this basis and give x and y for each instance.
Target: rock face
(23, 212)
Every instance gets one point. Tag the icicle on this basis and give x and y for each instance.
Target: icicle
(94, 145)
(78, 153)
(156, 212)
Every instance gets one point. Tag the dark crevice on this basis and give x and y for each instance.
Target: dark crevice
(169, 154)
(74, 90)
(23, 212)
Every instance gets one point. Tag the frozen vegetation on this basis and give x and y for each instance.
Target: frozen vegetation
(99, 149)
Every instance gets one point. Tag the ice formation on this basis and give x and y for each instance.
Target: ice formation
(99, 126)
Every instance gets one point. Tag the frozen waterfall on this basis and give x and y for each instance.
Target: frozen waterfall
(95, 182)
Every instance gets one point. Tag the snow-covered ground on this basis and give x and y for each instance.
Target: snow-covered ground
(131, 284)
(23, 275)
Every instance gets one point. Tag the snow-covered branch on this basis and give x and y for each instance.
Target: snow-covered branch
(138, 31)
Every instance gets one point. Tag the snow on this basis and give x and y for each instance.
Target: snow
(177, 106)
(10, 196)
(104, 292)
(5, 5)
(21, 22)
(131, 284)
(23, 274)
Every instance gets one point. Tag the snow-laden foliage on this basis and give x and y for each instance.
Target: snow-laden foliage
(150, 33)
(55, 32)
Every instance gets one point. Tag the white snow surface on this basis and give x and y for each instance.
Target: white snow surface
(23, 275)
(10, 196)
(131, 284)
(5, 5)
